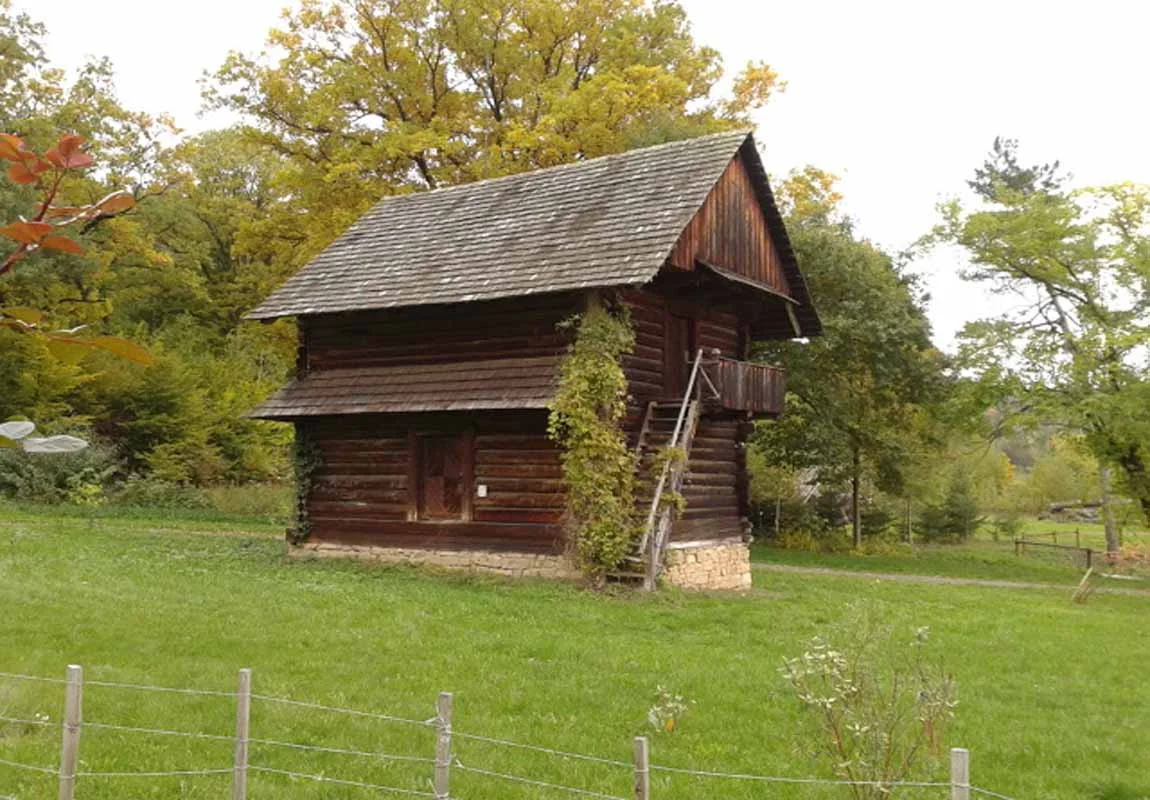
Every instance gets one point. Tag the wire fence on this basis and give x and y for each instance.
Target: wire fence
(444, 772)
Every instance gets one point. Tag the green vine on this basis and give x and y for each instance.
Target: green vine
(306, 461)
(598, 467)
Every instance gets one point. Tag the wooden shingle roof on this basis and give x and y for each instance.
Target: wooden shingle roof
(608, 221)
(507, 383)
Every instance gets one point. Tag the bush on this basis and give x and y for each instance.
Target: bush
(880, 521)
(1007, 526)
(268, 500)
(956, 517)
(81, 478)
(272, 501)
(877, 703)
(153, 493)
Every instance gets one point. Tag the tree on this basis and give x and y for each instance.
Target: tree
(176, 274)
(1077, 263)
(373, 97)
(859, 396)
(44, 231)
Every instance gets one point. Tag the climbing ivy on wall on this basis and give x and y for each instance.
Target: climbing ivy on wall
(585, 420)
(306, 461)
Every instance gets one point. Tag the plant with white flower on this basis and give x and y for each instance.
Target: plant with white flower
(668, 710)
(19, 435)
(878, 703)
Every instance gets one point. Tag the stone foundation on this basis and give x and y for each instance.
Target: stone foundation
(514, 565)
(712, 565)
(709, 565)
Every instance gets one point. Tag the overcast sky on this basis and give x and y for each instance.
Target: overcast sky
(901, 99)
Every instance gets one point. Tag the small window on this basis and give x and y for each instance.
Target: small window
(443, 475)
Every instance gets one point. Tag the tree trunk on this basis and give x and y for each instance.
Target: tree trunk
(909, 520)
(1113, 538)
(856, 510)
(1136, 478)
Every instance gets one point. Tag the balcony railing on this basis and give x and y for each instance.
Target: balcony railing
(743, 386)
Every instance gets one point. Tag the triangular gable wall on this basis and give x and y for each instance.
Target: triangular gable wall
(730, 232)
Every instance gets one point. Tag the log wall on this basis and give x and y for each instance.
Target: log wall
(715, 489)
(362, 490)
(522, 327)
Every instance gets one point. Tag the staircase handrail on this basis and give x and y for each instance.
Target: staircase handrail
(674, 442)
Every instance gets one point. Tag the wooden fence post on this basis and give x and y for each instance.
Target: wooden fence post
(443, 747)
(243, 720)
(73, 717)
(642, 768)
(959, 773)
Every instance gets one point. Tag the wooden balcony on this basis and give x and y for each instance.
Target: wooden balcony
(743, 386)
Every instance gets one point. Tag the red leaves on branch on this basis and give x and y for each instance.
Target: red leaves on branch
(67, 153)
(46, 171)
(10, 147)
(27, 232)
(63, 244)
(28, 169)
(116, 203)
(44, 232)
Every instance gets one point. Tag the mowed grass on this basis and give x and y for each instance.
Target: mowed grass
(1053, 696)
(982, 557)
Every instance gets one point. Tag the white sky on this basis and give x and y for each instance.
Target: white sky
(902, 99)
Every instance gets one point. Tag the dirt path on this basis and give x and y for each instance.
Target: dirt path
(938, 580)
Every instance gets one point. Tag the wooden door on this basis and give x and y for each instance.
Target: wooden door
(441, 478)
(678, 353)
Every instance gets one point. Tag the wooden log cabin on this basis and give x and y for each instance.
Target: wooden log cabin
(429, 344)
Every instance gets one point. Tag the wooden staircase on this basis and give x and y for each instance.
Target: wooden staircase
(665, 425)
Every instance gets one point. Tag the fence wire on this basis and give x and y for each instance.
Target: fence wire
(140, 687)
(166, 774)
(778, 779)
(157, 731)
(546, 750)
(988, 793)
(338, 710)
(19, 721)
(342, 751)
(19, 677)
(340, 782)
(532, 782)
(29, 767)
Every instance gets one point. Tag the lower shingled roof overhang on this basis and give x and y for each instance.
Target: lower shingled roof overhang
(496, 384)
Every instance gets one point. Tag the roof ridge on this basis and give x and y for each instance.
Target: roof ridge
(566, 165)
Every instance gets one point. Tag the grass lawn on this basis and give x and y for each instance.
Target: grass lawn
(981, 557)
(1053, 696)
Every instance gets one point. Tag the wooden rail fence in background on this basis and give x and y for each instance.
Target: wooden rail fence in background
(441, 765)
(1023, 542)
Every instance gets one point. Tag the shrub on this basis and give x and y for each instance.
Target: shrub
(153, 493)
(877, 703)
(272, 501)
(1007, 526)
(956, 517)
(81, 477)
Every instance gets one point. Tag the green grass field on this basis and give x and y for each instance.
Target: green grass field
(1053, 695)
(981, 557)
